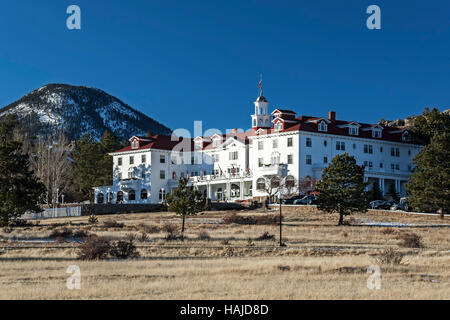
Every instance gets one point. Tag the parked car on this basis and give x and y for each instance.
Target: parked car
(291, 200)
(311, 199)
(402, 205)
(381, 204)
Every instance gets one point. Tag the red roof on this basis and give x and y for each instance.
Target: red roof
(160, 142)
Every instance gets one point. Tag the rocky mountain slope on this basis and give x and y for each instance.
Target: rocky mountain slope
(78, 110)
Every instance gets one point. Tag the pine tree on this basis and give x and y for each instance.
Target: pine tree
(88, 156)
(392, 192)
(429, 184)
(342, 188)
(109, 144)
(20, 190)
(430, 123)
(375, 193)
(185, 200)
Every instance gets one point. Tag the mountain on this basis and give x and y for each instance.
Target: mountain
(77, 110)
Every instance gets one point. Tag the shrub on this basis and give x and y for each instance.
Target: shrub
(61, 233)
(225, 242)
(92, 219)
(251, 220)
(110, 223)
(265, 236)
(124, 250)
(410, 240)
(79, 234)
(169, 228)
(143, 237)
(94, 248)
(148, 228)
(203, 235)
(390, 256)
(387, 231)
(174, 236)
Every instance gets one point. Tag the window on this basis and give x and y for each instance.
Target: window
(131, 174)
(144, 194)
(119, 196)
(353, 131)
(308, 142)
(325, 160)
(119, 161)
(376, 133)
(260, 162)
(162, 158)
(275, 158)
(143, 158)
(290, 142)
(354, 146)
(395, 166)
(381, 149)
(275, 143)
(254, 122)
(143, 174)
(120, 175)
(162, 174)
(100, 198)
(260, 184)
(192, 159)
(368, 164)
(368, 148)
(290, 159)
(162, 195)
(131, 195)
(260, 145)
(395, 152)
(325, 143)
(215, 157)
(279, 126)
(308, 159)
(381, 165)
(323, 126)
(234, 155)
(340, 145)
(134, 144)
(131, 160)
(409, 152)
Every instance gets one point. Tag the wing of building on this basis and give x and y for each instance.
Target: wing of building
(238, 165)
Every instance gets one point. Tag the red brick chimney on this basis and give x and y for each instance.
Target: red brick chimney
(332, 116)
(234, 131)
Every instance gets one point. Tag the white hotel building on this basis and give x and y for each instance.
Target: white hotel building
(234, 166)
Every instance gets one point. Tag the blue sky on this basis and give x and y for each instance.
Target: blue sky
(180, 61)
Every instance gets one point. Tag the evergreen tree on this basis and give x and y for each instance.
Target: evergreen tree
(375, 193)
(392, 192)
(342, 188)
(429, 184)
(109, 144)
(430, 123)
(185, 200)
(20, 190)
(89, 160)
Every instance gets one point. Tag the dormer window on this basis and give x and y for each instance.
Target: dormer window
(376, 133)
(323, 126)
(353, 131)
(406, 136)
(134, 144)
(278, 126)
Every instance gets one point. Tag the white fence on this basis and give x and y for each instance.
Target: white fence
(54, 213)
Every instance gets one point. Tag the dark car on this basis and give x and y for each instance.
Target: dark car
(306, 200)
(381, 204)
(291, 200)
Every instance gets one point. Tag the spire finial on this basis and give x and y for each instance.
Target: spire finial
(260, 85)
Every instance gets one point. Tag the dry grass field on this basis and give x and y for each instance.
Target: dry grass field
(229, 261)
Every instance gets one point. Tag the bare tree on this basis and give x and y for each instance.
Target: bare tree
(306, 185)
(50, 160)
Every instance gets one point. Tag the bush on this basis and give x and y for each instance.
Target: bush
(169, 228)
(410, 240)
(252, 220)
(390, 256)
(110, 223)
(92, 219)
(387, 231)
(174, 236)
(265, 236)
(203, 235)
(148, 228)
(61, 233)
(94, 248)
(225, 242)
(143, 237)
(124, 250)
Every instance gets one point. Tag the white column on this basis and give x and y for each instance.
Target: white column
(241, 191)
(228, 194)
(381, 181)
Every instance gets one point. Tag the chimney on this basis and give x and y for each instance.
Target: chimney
(332, 116)
(234, 131)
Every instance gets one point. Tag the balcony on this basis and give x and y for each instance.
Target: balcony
(132, 183)
(274, 170)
